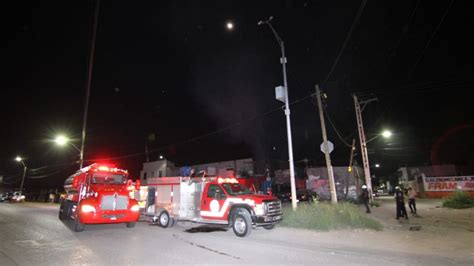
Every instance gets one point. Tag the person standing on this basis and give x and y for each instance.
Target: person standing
(365, 197)
(411, 200)
(400, 201)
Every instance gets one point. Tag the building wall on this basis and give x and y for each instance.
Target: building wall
(158, 168)
(238, 168)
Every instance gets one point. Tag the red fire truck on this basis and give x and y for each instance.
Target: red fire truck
(99, 194)
(210, 200)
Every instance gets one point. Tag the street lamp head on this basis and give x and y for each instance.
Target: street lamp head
(377, 165)
(161, 157)
(386, 133)
(18, 159)
(61, 140)
(261, 22)
(230, 25)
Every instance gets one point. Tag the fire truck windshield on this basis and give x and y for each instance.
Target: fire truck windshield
(108, 178)
(236, 189)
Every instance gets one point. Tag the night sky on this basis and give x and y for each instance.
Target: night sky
(172, 69)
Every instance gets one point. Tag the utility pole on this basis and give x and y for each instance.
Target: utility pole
(363, 143)
(332, 186)
(89, 80)
(349, 168)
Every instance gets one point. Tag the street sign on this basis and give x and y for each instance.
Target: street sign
(330, 147)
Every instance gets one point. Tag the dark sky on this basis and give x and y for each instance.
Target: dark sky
(171, 68)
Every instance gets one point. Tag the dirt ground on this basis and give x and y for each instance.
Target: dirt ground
(442, 230)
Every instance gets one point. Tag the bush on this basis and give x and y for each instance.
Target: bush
(327, 216)
(459, 200)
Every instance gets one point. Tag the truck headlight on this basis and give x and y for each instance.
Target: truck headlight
(259, 209)
(87, 208)
(135, 208)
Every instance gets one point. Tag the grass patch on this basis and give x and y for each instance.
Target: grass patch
(459, 200)
(326, 216)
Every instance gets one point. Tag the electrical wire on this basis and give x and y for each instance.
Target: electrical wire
(431, 38)
(346, 41)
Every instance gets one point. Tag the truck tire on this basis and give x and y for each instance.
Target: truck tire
(78, 226)
(131, 225)
(164, 219)
(62, 211)
(242, 223)
(269, 226)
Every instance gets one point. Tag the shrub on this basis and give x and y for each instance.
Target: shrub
(459, 200)
(327, 216)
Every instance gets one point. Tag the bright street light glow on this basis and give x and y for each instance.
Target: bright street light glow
(230, 25)
(386, 133)
(377, 165)
(18, 159)
(161, 157)
(61, 140)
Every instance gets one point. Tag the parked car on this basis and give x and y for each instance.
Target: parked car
(3, 197)
(306, 195)
(284, 196)
(17, 196)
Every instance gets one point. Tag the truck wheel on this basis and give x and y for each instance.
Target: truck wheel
(164, 219)
(78, 226)
(131, 225)
(269, 226)
(61, 211)
(242, 223)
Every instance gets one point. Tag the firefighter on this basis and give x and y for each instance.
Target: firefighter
(365, 197)
(400, 201)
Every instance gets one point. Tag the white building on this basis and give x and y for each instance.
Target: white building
(235, 168)
(158, 168)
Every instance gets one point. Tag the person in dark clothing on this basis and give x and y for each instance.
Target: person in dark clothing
(400, 200)
(365, 197)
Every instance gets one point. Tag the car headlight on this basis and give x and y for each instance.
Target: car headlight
(87, 208)
(259, 209)
(135, 208)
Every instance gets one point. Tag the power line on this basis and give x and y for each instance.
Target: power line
(431, 38)
(349, 34)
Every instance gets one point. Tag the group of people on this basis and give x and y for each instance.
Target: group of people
(399, 199)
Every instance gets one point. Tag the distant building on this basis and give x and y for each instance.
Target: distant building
(158, 168)
(235, 168)
(435, 181)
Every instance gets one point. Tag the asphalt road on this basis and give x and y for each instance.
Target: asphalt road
(31, 234)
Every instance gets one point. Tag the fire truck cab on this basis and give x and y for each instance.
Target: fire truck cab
(210, 200)
(99, 194)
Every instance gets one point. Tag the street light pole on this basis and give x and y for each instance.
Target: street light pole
(287, 111)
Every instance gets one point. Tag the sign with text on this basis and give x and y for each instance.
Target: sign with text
(449, 183)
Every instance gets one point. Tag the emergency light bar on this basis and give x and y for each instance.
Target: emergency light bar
(221, 180)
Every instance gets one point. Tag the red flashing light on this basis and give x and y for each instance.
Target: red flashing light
(227, 180)
(103, 168)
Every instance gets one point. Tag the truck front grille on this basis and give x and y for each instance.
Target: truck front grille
(114, 202)
(274, 207)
